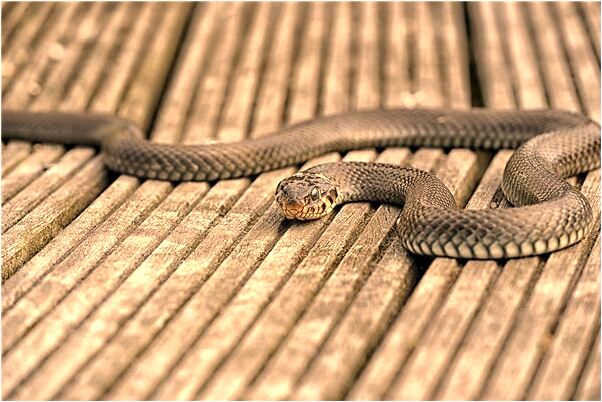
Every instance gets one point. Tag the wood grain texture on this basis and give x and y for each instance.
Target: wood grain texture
(12, 17)
(588, 387)
(581, 56)
(480, 348)
(117, 288)
(590, 10)
(75, 193)
(570, 347)
(29, 85)
(72, 160)
(42, 158)
(43, 262)
(22, 41)
(13, 153)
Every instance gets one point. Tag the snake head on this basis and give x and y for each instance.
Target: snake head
(306, 195)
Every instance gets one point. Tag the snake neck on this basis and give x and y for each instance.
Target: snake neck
(386, 183)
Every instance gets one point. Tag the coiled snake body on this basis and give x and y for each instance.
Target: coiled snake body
(550, 213)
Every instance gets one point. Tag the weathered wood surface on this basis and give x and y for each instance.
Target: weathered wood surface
(117, 288)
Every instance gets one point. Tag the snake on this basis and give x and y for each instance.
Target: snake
(546, 214)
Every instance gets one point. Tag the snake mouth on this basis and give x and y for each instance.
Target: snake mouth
(295, 210)
(300, 212)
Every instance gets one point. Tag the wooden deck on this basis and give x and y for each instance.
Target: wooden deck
(117, 288)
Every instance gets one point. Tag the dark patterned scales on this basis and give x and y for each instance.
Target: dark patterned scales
(550, 213)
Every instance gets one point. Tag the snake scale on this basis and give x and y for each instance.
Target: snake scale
(549, 213)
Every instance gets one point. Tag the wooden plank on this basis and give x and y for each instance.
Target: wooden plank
(12, 17)
(27, 200)
(16, 52)
(383, 367)
(279, 310)
(182, 286)
(199, 310)
(77, 157)
(300, 347)
(171, 21)
(92, 36)
(190, 232)
(530, 334)
(245, 82)
(271, 97)
(591, 12)
(396, 80)
(141, 99)
(60, 72)
(53, 288)
(230, 271)
(48, 101)
(396, 92)
(337, 87)
(584, 65)
(27, 84)
(256, 291)
(302, 351)
(494, 77)
(418, 384)
(34, 230)
(204, 109)
(570, 346)
(426, 363)
(132, 61)
(453, 42)
(588, 388)
(480, 347)
(18, 95)
(468, 367)
(42, 158)
(22, 281)
(520, 50)
(560, 369)
(478, 352)
(241, 367)
(220, 286)
(79, 94)
(237, 221)
(225, 333)
(556, 71)
(108, 275)
(335, 356)
(13, 153)
(82, 385)
(428, 84)
(174, 207)
(367, 83)
(540, 311)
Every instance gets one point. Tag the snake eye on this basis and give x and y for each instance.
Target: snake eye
(314, 193)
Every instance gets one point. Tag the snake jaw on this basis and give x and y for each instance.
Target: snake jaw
(306, 196)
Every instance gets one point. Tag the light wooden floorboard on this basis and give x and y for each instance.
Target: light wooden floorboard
(119, 288)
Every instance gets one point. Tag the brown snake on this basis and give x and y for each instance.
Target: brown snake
(550, 213)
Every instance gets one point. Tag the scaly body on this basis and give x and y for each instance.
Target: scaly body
(550, 214)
